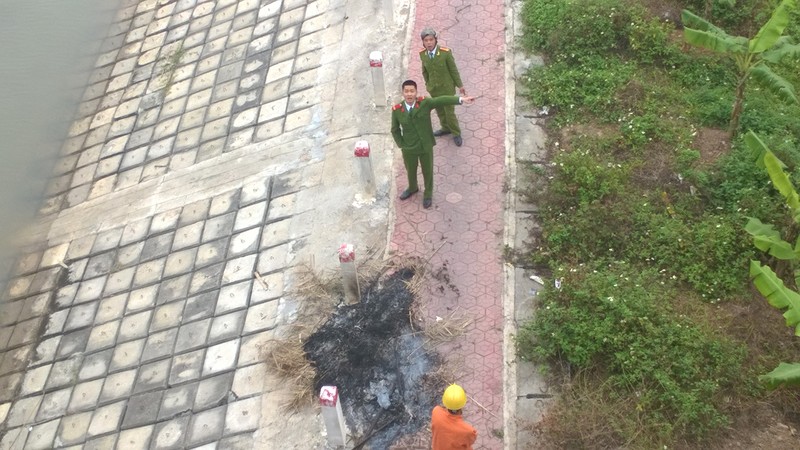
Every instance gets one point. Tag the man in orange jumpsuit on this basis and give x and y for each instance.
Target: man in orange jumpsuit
(449, 429)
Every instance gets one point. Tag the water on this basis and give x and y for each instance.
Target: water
(47, 50)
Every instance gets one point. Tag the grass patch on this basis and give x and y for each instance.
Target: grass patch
(642, 207)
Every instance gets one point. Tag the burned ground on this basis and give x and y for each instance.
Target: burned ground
(384, 373)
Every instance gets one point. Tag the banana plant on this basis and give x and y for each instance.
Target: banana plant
(767, 239)
(751, 56)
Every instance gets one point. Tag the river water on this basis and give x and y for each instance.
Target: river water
(47, 50)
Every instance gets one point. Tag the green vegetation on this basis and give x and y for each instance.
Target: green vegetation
(642, 214)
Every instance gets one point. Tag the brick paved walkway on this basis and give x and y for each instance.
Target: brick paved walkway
(463, 230)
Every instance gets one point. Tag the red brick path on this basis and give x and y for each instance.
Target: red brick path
(464, 227)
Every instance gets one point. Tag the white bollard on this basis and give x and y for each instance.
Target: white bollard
(376, 67)
(364, 162)
(332, 415)
(347, 260)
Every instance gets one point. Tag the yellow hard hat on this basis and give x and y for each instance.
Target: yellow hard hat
(454, 397)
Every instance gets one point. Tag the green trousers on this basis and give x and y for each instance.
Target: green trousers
(424, 158)
(448, 119)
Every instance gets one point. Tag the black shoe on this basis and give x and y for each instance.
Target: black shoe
(407, 193)
(458, 140)
(426, 203)
(441, 132)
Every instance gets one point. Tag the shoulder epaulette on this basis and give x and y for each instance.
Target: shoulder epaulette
(444, 49)
(424, 50)
(419, 99)
(397, 106)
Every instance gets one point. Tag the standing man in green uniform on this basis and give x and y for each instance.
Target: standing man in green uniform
(441, 78)
(413, 133)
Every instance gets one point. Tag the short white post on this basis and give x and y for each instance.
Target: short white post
(332, 415)
(376, 67)
(364, 162)
(388, 12)
(347, 260)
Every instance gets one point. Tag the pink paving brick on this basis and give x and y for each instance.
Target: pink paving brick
(467, 205)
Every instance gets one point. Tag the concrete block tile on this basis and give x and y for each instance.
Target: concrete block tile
(239, 269)
(269, 10)
(207, 426)
(245, 118)
(99, 265)
(46, 350)
(25, 332)
(34, 380)
(279, 71)
(129, 178)
(214, 129)
(249, 380)
(95, 365)
(180, 262)
(133, 158)
(90, 289)
(226, 327)
(206, 278)
(261, 317)
(194, 212)
(200, 306)
(135, 326)
(117, 282)
(5, 335)
(73, 428)
(298, 119)
(188, 235)
(77, 271)
(196, 116)
(122, 126)
(243, 415)
(211, 149)
(232, 71)
(233, 297)
(288, 34)
(42, 436)
(244, 242)
(183, 160)
(73, 342)
(219, 226)
(173, 289)
(273, 259)
(106, 418)
(14, 438)
(186, 367)
(136, 438)
(192, 335)
(8, 386)
(64, 372)
(142, 298)
(118, 385)
(103, 336)
(166, 127)
(170, 435)
(18, 287)
(180, 32)
(222, 91)
(126, 355)
(85, 396)
(142, 409)
(54, 404)
(28, 263)
(111, 308)
(206, 79)
(135, 231)
(55, 322)
(293, 13)
(221, 357)
(167, 316)
(101, 443)
(81, 315)
(206, 64)
(23, 411)
(177, 400)
(152, 376)
(10, 312)
(187, 139)
(160, 149)
(45, 280)
(16, 359)
(102, 186)
(159, 344)
(114, 147)
(241, 138)
(128, 255)
(149, 272)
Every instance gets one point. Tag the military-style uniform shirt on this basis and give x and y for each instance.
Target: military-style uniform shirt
(440, 72)
(412, 130)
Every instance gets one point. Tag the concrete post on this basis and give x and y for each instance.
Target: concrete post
(332, 416)
(364, 162)
(388, 12)
(376, 67)
(347, 260)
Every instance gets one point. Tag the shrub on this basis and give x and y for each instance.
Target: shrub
(615, 320)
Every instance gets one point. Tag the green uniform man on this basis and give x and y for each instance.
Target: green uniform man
(413, 133)
(441, 78)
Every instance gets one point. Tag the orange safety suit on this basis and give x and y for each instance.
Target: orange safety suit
(450, 431)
